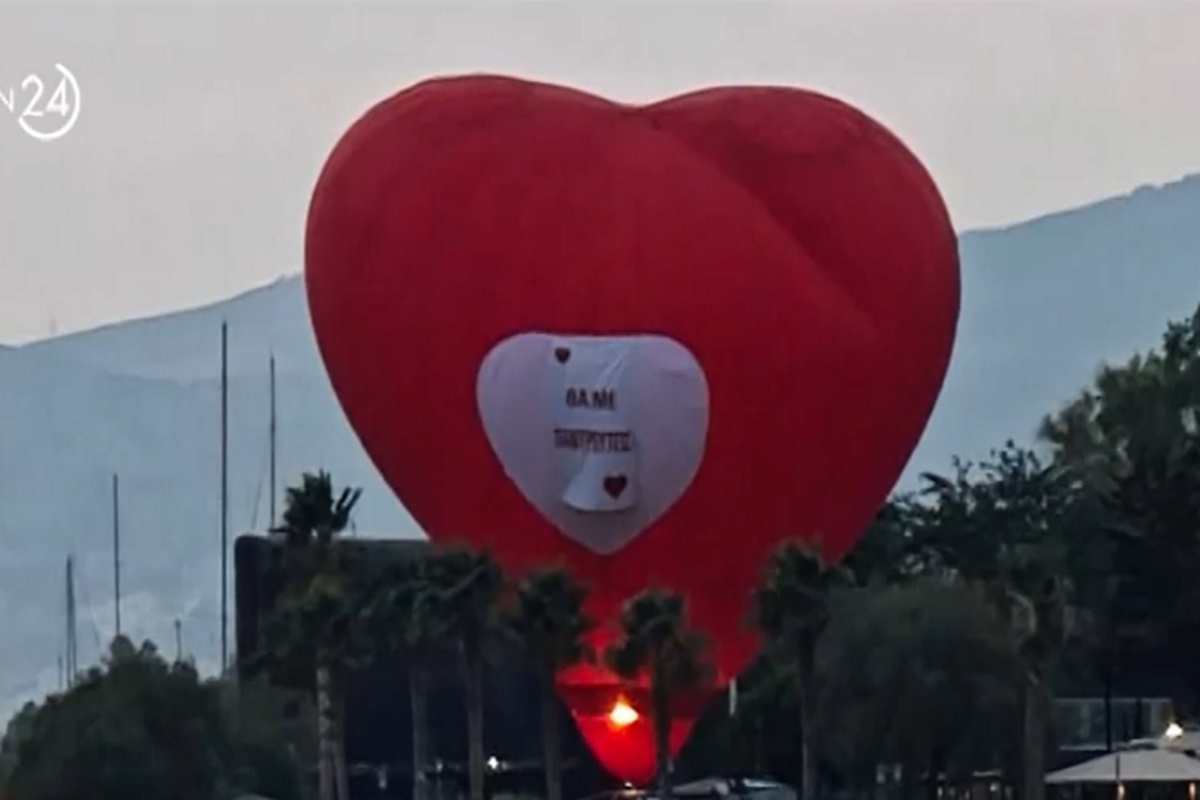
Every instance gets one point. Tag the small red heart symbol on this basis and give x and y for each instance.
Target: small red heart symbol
(614, 485)
(792, 245)
(562, 354)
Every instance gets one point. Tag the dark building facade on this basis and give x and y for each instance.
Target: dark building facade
(378, 708)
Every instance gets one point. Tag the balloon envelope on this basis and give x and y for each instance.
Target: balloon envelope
(649, 342)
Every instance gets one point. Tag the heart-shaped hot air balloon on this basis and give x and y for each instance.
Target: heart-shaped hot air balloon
(649, 341)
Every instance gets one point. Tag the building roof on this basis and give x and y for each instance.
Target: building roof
(1132, 766)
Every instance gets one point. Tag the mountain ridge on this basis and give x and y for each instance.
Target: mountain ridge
(1185, 189)
(1180, 186)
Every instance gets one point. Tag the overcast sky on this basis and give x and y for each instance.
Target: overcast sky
(203, 126)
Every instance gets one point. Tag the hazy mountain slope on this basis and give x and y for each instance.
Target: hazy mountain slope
(271, 319)
(1095, 283)
(1044, 303)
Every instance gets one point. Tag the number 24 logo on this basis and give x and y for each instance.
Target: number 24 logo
(58, 101)
(64, 102)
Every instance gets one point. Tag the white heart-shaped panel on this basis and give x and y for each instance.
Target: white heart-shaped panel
(602, 434)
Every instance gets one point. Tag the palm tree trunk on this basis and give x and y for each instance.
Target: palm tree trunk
(660, 701)
(805, 692)
(937, 766)
(339, 742)
(550, 738)
(325, 747)
(1033, 729)
(474, 696)
(418, 687)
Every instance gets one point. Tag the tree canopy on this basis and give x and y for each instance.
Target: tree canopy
(138, 726)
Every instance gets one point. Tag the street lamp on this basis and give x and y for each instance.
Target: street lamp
(1120, 784)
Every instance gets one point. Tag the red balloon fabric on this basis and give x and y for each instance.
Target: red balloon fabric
(650, 342)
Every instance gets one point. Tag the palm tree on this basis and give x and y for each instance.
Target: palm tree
(1036, 604)
(465, 586)
(791, 608)
(548, 622)
(657, 643)
(402, 623)
(318, 613)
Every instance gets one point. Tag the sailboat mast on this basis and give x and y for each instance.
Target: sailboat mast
(72, 665)
(224, 496)
(116, 533)
(274, 441)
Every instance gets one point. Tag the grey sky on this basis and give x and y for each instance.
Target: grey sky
(203, 126)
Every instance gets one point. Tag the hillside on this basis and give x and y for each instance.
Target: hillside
(185, 346)
(1044, 304)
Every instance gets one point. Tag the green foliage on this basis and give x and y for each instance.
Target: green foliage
(139, 727)
(402, 608)
(547, 619)
(886, 553)
(1137, 413)
(462, 591)
(657, 643)
(1134, 438)
(791, 605)
(322, 607)
(760, 738)
(1023, 531)
(318, 631)
(313, 514)
(462, 595)
(792, 609)
(275, 727)
(547, 622)
(919, 674)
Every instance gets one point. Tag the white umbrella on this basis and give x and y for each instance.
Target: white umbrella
(728, 789)
(1132, 766)
(755, 788)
